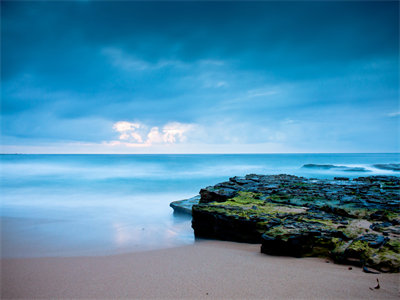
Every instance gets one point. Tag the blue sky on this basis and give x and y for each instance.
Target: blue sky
(199, 77)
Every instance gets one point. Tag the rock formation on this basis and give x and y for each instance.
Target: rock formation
(352, 221)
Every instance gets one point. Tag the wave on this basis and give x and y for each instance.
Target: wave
(391, 167)
(338, 168)
(136, 170)
(375, 168)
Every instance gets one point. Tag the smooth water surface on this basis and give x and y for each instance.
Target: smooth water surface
(67, 205)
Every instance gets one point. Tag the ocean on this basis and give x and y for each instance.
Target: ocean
(77, 205)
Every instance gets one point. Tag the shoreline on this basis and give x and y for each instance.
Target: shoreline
(206, 269)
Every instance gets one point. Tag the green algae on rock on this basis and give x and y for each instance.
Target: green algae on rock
(352, 221)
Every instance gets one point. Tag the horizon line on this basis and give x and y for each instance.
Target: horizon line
(209, 153)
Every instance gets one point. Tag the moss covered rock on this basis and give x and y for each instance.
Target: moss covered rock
(350, 221)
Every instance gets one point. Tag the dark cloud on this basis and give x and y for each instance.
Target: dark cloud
(193, 62)
(51, 36)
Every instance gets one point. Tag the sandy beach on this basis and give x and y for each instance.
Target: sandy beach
(207, 269)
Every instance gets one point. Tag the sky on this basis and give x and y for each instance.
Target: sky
(199, 77)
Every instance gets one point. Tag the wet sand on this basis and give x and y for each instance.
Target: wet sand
(207, 269)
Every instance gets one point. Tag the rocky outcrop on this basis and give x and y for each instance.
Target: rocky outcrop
(185, 206)
(352, 221)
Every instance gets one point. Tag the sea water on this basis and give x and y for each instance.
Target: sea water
(69, 205)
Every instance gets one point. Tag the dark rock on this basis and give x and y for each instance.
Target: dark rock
(341, 178)
(379, 215)
(335, 210)
(373, 240)
(296, 216)
(297, 245)
(232, 227)
(217, 195)
(380, 226)
(185, 206)
(386, 228)
(366, 270)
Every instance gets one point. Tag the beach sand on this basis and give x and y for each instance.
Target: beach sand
(207, 269)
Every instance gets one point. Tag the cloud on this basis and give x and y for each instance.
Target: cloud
(128, 131)
(261, 93)
(138, 134)
(229, 72)
(154, 136)
(127, 62)
(121, 60)
(123, 126)
(394, 114)
(175, 132)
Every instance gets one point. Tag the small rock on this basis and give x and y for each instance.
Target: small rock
(366, 270)
(341, 178)
(378, 286)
